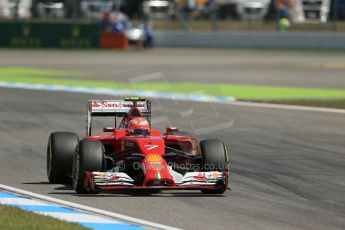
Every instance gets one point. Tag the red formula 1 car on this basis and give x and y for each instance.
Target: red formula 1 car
(134, 156)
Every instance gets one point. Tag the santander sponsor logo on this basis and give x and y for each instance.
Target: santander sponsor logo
(109, 104)
(95, 104)
(114, 104)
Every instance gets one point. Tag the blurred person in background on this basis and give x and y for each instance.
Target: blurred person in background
(284, 23)
(149, 35)
(105, 22)
(284, 6)
(118, 21)
(284, 17)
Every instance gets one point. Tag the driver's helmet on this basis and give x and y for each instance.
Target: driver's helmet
(138, 126)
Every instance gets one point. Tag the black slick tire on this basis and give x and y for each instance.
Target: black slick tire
(60, 154)
(89, 157)
(215, 158)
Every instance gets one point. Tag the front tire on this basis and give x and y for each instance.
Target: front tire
(215, 158)
(60, 155)
(89, 157)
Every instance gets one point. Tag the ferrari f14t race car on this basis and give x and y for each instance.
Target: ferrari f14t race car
(132, 155)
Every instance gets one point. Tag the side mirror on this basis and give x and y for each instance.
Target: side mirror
(172, 129)
(108, 129)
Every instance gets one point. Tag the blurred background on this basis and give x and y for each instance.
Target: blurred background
(205, 15)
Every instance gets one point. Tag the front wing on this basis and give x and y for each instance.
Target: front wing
(98, 181)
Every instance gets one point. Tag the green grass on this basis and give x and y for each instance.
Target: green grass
(240, 92)
(23, 71)
(243, 92)
(16, 219)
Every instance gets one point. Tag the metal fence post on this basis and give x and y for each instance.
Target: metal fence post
(335, 15)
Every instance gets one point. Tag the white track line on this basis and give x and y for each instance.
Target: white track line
(78, 218)
(88, 209)
(20, 201)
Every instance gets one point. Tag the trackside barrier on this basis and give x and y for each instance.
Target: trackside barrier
(269, 40)
(111, 40)
(31, 34)
(25, 34)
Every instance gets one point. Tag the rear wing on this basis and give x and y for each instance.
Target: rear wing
(115, 108)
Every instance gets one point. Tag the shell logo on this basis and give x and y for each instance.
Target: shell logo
(101, 175)
(216, 175)
(154, 158)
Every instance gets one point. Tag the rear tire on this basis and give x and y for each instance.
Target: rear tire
(89, 157)
(215, 158)
(60, 155)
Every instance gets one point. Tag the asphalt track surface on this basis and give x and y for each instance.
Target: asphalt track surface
(288, 167)
(276, 68)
